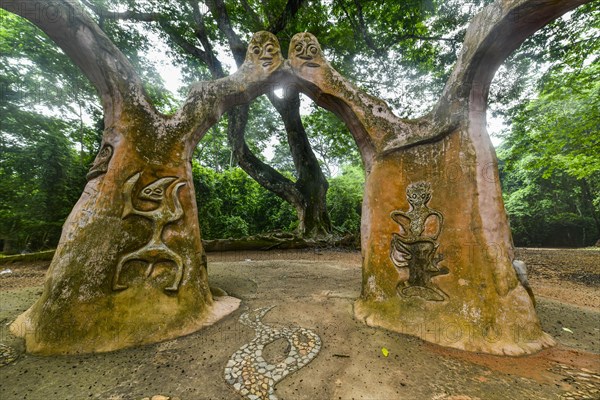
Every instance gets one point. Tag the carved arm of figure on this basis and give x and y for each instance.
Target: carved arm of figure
(439, 225)
(402, 219)
(128, 208)
(175, 206)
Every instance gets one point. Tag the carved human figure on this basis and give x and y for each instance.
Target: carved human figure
(416, 244)
(414, 221)
(169, 210)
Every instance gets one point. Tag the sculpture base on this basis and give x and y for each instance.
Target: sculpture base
(132, 329)
(411, 318)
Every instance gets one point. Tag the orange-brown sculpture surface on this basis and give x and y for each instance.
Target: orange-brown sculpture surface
(130, 267)
(437, 250)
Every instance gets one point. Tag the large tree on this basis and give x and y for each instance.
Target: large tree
(196, 29)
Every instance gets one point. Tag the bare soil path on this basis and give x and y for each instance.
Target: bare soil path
(315, 290)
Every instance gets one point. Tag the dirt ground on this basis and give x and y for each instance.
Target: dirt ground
(316, 290)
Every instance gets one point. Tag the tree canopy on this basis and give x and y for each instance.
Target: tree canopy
(402, 52)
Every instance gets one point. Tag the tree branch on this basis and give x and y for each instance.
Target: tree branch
(125, 15)
(185, 45)
(264, 174)
(354, 24)
(211, 59)
(207, 55)
(259, 24)
(288, 107)
(364, 31)
(237, 45)
(491, 37)
(290, 10)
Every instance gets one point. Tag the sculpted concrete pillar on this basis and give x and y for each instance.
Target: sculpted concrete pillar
(130, 268)
(436, 244)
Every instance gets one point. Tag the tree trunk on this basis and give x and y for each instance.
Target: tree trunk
(312, 213)
(589, 199)
(86, 306)
(436, 244)
(306, 195)
(7, 246)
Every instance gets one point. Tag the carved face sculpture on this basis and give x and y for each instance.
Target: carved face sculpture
(418, 193)
(264, 51)
(100, 165)
(305, 51)
(156, 190)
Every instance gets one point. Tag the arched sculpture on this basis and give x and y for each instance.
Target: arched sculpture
(437, 252)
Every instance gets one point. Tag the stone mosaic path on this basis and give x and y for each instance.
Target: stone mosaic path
(253, 376)
(7, 355)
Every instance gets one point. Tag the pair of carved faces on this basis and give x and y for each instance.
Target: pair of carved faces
(264, 51)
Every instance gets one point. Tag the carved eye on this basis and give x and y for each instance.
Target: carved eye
(158, 191)
(147, 191)
(313, 49)
(269, 48)
(414, 196)
(298, 48)
(256, 50)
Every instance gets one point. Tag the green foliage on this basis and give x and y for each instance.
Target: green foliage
(40, 181)
(550, 163)
(560, 130)
(344, 199)
(41, 172)
(551, 172)
(331, 141)
(231, 204)
(557, 210)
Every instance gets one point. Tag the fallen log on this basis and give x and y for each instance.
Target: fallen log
(282, 241)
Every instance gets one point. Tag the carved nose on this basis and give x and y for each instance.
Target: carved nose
(305, 57)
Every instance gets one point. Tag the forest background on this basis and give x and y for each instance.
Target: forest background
(281, 163)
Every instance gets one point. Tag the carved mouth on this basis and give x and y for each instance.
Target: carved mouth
(312, 64)
(267, 63)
